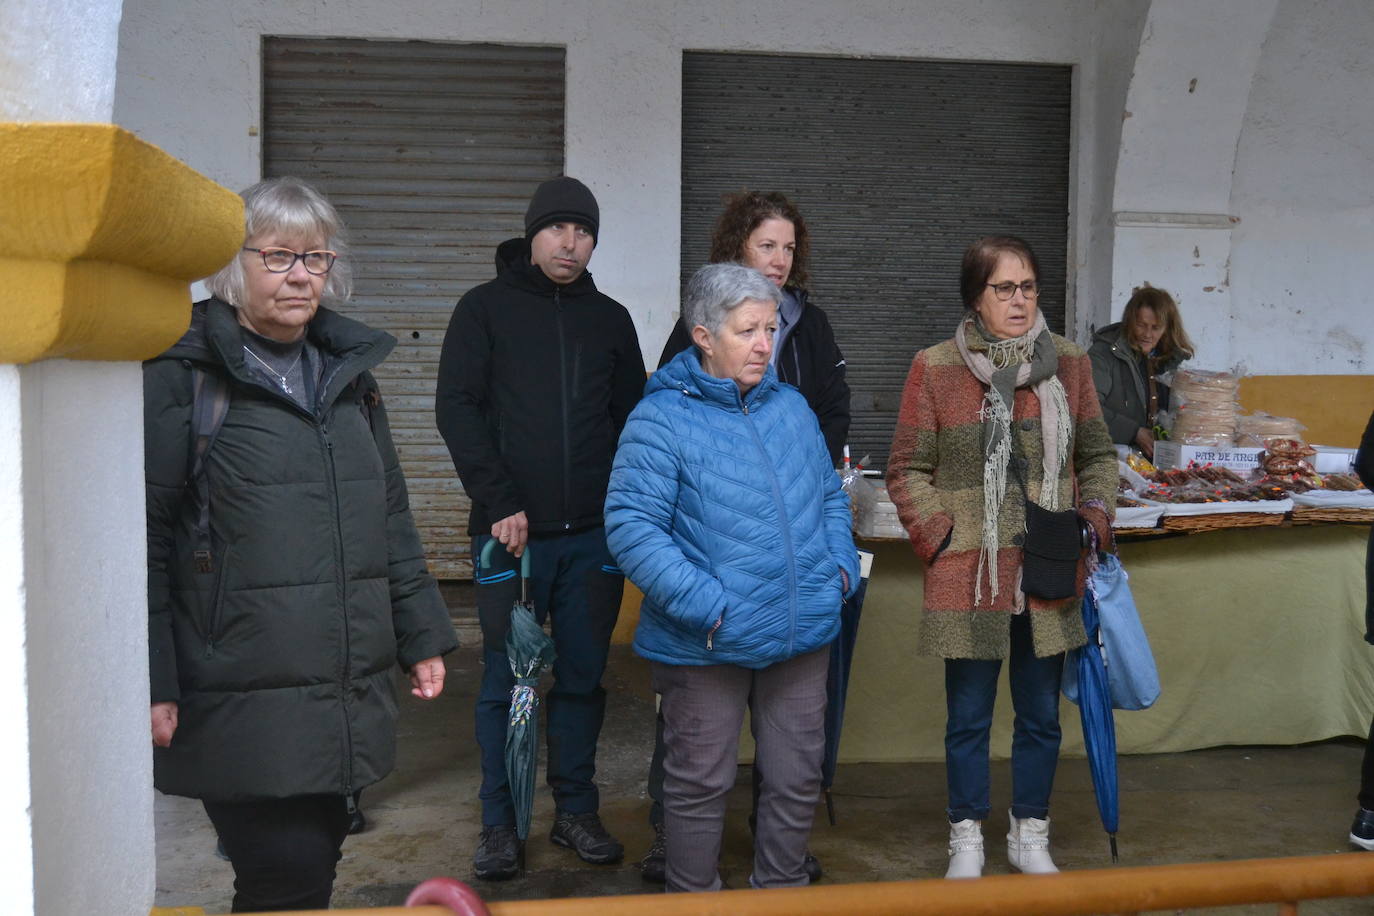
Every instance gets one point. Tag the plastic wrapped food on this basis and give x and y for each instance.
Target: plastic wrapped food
(1205, 407)
(1254, 429)
(1138, 463)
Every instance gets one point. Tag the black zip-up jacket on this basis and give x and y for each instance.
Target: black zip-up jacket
(536, 381)
(1364, 467)
(810, 361)
(281, 657)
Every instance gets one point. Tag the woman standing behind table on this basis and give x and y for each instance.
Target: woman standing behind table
(279, 608)
(1128, 359)
(725, 511)
(1004, 403)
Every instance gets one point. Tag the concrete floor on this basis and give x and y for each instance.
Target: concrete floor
(1212, 805)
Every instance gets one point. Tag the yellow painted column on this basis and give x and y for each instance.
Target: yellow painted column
(101, 237)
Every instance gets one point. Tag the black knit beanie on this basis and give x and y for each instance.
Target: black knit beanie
(562, 199)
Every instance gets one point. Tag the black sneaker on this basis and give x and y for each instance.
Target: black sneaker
(1362, 831)
(499, 854)
(812, 866)
(654, 866)
(584, 834)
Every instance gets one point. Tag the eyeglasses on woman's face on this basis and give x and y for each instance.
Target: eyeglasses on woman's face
(1004, 291)
(280, 260)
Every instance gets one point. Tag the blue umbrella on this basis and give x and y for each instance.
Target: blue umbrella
(837, 683)
(529, 650)
(1099, 725)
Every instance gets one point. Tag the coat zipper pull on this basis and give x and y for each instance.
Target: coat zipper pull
(710, 637)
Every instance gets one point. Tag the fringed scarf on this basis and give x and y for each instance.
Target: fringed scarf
(1004, 366)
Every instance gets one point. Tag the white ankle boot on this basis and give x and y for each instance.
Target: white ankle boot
(965, 849)
(1028, 846)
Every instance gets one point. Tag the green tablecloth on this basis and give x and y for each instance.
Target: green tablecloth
(1257, 633)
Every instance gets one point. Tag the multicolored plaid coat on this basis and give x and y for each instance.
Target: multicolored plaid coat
(935, 478)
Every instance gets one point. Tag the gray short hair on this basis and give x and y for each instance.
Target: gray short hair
(288, 207)
(718, 289)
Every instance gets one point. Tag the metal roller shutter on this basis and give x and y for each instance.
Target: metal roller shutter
(430, 152)
(897, 165)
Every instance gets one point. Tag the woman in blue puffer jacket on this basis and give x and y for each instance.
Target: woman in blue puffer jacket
(725, 510)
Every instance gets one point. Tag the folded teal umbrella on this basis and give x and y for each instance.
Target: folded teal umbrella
(529, 650)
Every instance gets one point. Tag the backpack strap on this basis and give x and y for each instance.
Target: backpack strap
(209, 407)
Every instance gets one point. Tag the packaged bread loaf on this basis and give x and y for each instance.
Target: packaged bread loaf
(1252, 430)
(1205, 407)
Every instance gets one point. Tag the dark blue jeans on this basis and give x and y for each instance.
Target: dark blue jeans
(970, 692)
(576, 584)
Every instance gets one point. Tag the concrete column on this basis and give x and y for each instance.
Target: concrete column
(76, 831)
(93, 277)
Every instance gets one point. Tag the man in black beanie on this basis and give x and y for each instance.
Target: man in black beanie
(537, 376)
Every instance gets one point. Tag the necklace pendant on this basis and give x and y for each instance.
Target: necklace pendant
(285, 387)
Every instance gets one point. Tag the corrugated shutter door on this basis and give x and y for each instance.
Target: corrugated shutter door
(896, 166)
(430, 152)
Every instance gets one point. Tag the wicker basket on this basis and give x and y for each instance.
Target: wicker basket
(1308, 515)
(1134, 533)
(1220, 520)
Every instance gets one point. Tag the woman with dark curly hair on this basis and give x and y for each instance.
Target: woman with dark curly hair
(765, 231)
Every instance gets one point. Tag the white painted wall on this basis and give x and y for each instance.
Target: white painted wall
(1102, 83)
(1304, 192)
(76, 826)
(189, 82)
(1188, 96)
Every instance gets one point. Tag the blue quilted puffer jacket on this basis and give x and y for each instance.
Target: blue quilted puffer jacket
(728, 515)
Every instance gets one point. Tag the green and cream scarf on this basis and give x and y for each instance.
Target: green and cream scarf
(1004, 366)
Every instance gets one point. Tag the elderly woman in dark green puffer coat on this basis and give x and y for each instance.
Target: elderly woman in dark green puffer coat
(276, 620)
(1130, 359)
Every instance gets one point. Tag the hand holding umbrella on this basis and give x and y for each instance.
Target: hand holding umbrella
(529, 650)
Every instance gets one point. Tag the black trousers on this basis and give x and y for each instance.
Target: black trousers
(283, 851)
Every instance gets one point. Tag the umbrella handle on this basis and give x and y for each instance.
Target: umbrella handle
(485, 559)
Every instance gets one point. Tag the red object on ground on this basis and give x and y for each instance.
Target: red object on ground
(449, 892)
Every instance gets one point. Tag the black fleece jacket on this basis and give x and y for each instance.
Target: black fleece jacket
(536, 381)
(810, 361)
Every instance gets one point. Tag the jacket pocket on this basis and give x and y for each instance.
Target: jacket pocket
(215, 611)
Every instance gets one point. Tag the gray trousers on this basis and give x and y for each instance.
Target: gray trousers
(703, 710)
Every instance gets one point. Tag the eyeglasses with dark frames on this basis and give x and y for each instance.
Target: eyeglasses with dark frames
(280, 260)
(1030, 289)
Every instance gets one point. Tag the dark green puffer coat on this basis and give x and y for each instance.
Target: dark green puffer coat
(281, 658)
(1121, 388)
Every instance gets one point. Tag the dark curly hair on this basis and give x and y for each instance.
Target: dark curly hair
(743, 213)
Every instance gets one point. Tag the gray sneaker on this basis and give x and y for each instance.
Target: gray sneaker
(499, 854)
(584, 834)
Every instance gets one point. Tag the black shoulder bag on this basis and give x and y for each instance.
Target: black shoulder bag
(1054, 540)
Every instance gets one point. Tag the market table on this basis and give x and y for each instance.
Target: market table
(1257, 633)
